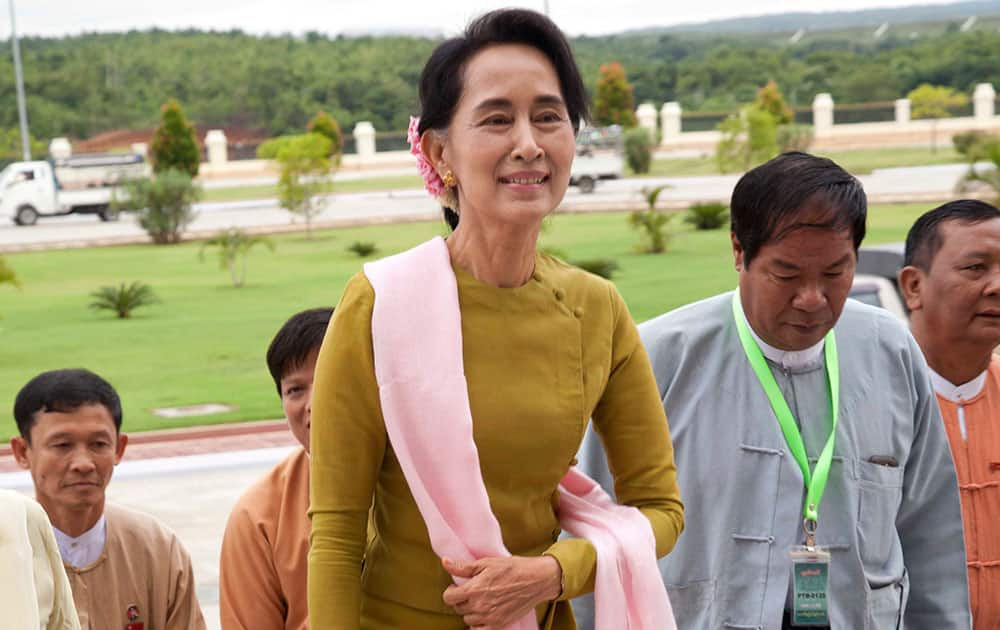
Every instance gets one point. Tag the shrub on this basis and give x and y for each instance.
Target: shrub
(988, 177)
(604, 267)
(175, 145)
(638, 150)
(793, 137)
(362, 248)
(748, 138)
(975, 145)
(234, 247)
(7, 275)
(652, 226)
(162, 204)
(123, 299)
(613, 102)
(326, 125)
(305, 165)
(707, 216)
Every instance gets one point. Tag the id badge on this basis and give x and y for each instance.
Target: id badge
(810, 580)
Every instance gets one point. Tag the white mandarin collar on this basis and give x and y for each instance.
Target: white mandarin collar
(957, 393)
(788, 359)
(86, 547)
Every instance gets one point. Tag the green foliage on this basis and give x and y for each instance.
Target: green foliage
(638, 150)
(123, 299)
(175, 144)
(988, 177)
(162, 203)
(652, 226)
(934, 102)
(793, 137)
(234, 249)
(10, 146)
(613, 101)
(707, 216)
(770, 100)
(325, 125)
(975, 146)
(362, 249)
(305, 178)
(748, 139)
(7, 275)
(603, 267)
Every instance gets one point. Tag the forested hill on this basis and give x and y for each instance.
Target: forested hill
(829, 20)
(83, 85)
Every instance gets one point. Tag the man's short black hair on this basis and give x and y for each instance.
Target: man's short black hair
(924, 239)
(300, 335)
(767, 200)
(64, 391)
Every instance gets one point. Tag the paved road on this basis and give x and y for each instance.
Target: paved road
(165, 489)
(926, 183)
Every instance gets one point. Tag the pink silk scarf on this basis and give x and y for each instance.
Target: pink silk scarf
(417, 344)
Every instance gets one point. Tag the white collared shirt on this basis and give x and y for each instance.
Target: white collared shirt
(958, 394)
(86, 548)
(788, 359)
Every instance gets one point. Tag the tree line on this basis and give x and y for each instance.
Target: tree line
(82, 85)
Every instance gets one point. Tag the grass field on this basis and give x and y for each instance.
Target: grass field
(858, 161)
(206, 341)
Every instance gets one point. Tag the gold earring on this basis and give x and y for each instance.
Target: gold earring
(448, 179)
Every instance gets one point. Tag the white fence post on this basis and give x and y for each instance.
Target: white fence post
(364, 142)
(60, 148)
(670, 122)
(647, 118)
(823, 114)
(984, 102)
(902, 111)
(218, 150)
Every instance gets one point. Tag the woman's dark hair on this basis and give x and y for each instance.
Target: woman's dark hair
(768, 201)
(300, 335)
(924, 239)
(442, 80)
(64, 391)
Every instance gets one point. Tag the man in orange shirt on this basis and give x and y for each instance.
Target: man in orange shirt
(951, 282)
(262, 571)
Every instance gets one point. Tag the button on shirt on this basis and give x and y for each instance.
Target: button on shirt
(86, 548)
(958, 394)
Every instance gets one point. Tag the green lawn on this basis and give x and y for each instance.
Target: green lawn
(270, 191)
(859, 161)
(206, 341)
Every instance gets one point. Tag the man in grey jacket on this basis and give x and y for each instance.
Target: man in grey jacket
(782, 429)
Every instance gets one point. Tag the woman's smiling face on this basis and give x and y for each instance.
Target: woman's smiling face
(510, 143)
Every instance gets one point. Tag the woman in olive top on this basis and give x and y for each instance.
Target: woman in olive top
(547, 347)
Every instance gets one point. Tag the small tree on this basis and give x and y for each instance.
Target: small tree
(651, 223)
(326, 125)
(613, 102)
(234, 249)
(935, 102)
(770, 100)
(175, 144)
(638, 150)
(304, 161)
(162, 204)
(123, 299)
(975, 146)
(748, 138)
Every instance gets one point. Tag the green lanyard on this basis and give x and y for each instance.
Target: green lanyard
(815, 480)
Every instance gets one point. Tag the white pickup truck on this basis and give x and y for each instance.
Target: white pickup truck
(82, 184)
(591, 166)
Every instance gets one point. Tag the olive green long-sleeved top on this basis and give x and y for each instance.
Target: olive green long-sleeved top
(540, 360)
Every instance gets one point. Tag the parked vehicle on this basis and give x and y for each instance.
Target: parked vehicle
(875, 280)
(82, 184)
(599, 155)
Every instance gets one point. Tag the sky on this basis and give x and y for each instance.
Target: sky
(576, 17)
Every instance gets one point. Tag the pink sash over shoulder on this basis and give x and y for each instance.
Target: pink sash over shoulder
(417, 343)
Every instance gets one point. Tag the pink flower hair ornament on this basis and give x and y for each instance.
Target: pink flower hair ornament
(432, 181)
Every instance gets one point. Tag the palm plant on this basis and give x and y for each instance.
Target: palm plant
(123, 299)
(989, 176)
(7, 275)
(362, 248)
(234, 249)
(651, 223)
(707, 216)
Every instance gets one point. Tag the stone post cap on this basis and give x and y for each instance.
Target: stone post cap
(60, 148)
(823, 99)
(215, 135)
(364, 128)
(673, 107)
(902, 102)
(140, 148)
(984, 90)
(646, 109)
